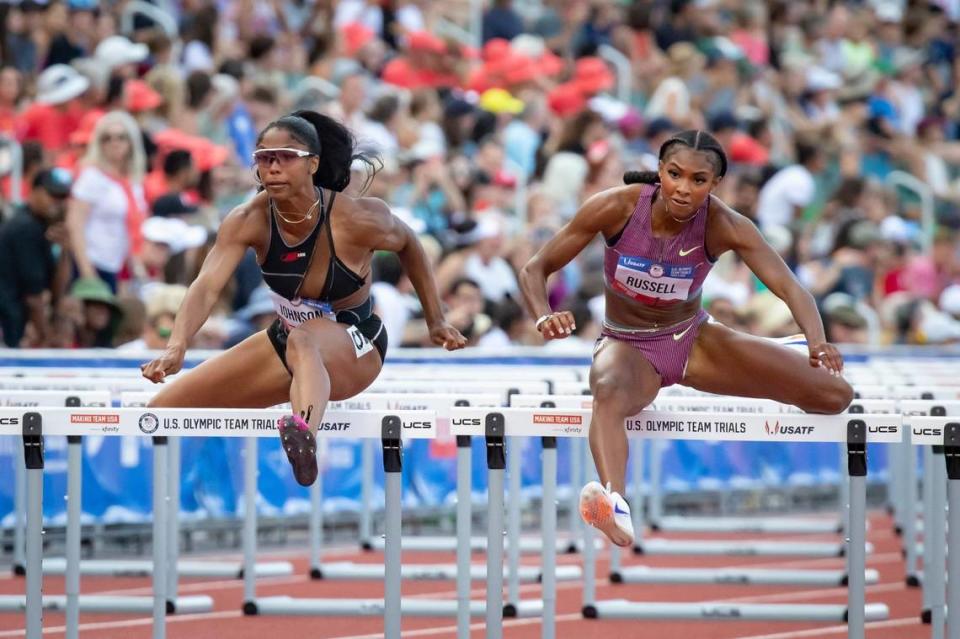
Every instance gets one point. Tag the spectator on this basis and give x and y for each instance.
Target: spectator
(100, 313)
(162, 303)
(107, 206)
(57, 112)
(180, 175)
(501, 21)
(34, 261)
(391, 291)
(784, 197)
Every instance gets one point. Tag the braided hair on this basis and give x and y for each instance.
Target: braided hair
(692, 139)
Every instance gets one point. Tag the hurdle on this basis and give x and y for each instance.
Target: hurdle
(160, 424)
(548, 423)
(38, 398)
(506, 388)
(855, 430)
(440, 404)
(126, 567)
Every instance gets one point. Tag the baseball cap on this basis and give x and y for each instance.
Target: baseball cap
(57, 182)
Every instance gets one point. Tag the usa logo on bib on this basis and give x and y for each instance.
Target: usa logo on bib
(646, 280)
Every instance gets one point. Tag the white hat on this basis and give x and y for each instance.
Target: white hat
(528, 45)
(173, 232)
(820, 79)
(888, 12)
(950, 299)
(118, 50)
(60, 83)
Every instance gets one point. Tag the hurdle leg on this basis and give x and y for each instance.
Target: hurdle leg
(656, 471)
(496, 464)
(856, 463)
(548, 516)
(464, 532)
(72, 577)
(33, 542)
(636, 499)
(577, 448)
(909, 491)
(513, 529)
(19, 508)
(589, 609)
(933, 546)
(392, 468)
(927, 490)
(173, 521)
(250, 526)
(159, 537)
(315, 523)
(952, 461)
(366, 491)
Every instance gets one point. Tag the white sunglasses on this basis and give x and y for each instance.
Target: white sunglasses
(265, 157)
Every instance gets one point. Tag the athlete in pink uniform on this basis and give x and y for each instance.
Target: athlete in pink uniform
(663, 232)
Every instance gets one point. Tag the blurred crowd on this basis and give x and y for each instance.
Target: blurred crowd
(135, 122)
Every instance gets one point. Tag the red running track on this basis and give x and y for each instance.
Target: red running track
(228, 621)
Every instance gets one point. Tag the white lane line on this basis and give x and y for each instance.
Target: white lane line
(836, 630)
(130, 623)
(442, 630)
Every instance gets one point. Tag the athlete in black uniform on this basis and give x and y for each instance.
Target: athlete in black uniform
(326, 342)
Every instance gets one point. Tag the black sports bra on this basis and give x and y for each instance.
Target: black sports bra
(285, 266)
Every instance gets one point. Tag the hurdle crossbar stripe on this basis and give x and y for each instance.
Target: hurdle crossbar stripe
(672, 425)
(210, 422)
(736, 576)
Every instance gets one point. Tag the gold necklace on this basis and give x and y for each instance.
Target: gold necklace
(307, 216)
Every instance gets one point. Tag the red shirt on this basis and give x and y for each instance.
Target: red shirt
(49, 125)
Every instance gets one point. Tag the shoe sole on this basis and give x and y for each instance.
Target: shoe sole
(597, 511)
(298, 460)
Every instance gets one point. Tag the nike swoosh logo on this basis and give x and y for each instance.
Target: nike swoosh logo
(684, 253)
(616, 509)
(679, 336)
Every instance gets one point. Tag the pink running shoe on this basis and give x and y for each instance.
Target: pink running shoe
(301, 448)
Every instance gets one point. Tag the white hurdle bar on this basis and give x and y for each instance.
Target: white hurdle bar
(853, 429)
(160, 424)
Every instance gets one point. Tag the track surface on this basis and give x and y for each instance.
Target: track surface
(227, 619)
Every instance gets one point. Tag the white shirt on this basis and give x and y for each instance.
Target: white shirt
(108, 243)
(496, 279)
(394, 310)
(672, 89)
(790, 187)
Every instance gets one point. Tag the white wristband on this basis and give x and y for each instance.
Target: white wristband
(542, 319)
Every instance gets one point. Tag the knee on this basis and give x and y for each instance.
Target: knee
(615, 394)
(300, 343)
(833, 398)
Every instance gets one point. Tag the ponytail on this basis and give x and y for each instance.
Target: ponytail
(641, 177)
(692, 139)
(333, 144)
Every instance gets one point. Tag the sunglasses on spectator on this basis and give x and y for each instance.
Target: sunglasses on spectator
(265, 157)
(111, 137)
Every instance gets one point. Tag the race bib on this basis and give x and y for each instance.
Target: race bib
(644, 279)
(361, 345)
(295, 312)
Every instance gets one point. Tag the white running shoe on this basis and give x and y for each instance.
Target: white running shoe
(608, 512)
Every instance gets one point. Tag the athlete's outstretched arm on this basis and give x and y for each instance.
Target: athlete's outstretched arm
(744, 238)
(602, 213)
(217, 269)
(383, 231)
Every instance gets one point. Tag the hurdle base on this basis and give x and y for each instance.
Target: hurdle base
(107, 604)
(187, 569)
(913, 581)
(19, 570)
(297, 606)
(926, 617)
(348, 570)
(754, 548)
(750, 525)
(523, 609)
(528, 545)
(625, 609)
(745, 577)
